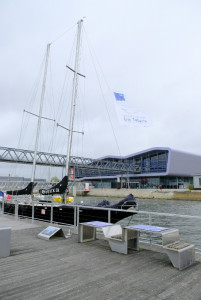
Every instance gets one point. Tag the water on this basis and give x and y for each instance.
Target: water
(189, 228)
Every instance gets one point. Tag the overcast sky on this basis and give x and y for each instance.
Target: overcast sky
(149, 50)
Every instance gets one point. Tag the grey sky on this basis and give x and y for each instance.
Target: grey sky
(149, 50)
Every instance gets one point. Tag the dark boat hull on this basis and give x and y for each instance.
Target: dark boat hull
(65, 214)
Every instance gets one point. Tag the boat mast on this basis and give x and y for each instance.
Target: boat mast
(74, 96)
(40, 113)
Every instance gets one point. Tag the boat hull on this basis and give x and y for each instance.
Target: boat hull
(65, 214)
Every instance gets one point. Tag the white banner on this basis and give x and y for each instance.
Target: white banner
(127, 116)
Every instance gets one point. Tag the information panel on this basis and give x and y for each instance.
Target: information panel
(149, 228)
(98, 223)
(51, 232)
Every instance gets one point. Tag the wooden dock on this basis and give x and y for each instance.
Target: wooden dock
(65, 269)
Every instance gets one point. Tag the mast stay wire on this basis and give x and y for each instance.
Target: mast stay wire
(63, 106)
(25, 120)
(107, 110)
(55, 117)
(57, 112)
(110, 121)
(61, 35)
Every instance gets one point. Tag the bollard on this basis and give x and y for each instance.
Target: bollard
(74, 191)
(109, 216)
(150, 235)
(75, 213)
(3, 206)
(51, 214)
(16, 209)
(32, 211)
(78, 218)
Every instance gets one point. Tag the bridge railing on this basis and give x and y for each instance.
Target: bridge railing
(14, 155)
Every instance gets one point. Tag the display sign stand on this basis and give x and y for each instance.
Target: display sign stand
(52, 232)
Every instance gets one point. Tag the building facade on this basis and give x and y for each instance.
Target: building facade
(153, 168)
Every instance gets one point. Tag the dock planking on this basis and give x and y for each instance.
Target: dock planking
(65, 269)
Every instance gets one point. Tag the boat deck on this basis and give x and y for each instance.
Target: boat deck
(65, 269)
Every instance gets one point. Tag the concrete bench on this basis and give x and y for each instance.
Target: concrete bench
(120, 239)
(181, 254)
(168, 235)
(5, 238)
(87, 230)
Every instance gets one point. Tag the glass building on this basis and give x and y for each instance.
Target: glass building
(153, 168)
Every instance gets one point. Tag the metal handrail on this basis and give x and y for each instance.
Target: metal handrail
(77, 208)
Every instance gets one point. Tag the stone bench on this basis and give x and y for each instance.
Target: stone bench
(120, 239)
(87, 230)
(181, 254)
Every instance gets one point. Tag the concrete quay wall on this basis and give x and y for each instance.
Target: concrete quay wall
(147, 193)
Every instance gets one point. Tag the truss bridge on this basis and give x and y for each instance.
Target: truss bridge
(80, 164)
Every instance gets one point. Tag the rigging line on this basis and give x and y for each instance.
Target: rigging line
(103, 97)
(20, 137)
(98, 62)
(51, 146)
(51, 87)
(66, 79)
(60, 36)
(36, 84)
(62, 108)
(33, 97)
(13, 168)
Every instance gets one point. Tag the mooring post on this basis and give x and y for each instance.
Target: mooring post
(150, 223)
(32, 211)
(109, 216)
(75, 214)
(16, 209)
(51, 214)
(3, 205)
(78, 218)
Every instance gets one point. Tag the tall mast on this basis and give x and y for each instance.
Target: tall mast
(40, 113)
(74, 96)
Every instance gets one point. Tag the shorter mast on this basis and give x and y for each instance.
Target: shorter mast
(29, 189)
(40, 113)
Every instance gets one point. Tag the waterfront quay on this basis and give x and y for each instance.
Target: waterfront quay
(65, 269)
(168, 194)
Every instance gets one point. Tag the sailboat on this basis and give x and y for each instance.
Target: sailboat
(65, 213)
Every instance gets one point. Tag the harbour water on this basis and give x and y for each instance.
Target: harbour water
(174, 215)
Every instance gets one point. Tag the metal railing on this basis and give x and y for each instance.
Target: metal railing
(77, 208)
(188, 225)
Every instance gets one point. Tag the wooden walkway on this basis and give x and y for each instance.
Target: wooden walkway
(64, 269)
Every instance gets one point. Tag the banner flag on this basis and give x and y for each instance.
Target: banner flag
(127, 116)
(119, 97)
